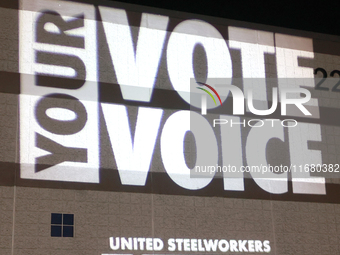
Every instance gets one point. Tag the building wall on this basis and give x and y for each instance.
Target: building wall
(292, 222)
(291, 227)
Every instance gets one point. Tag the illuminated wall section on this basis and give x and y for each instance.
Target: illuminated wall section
(165, 133)
(64, 91)
(58, 104)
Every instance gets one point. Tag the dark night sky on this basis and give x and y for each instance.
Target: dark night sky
(322, 17)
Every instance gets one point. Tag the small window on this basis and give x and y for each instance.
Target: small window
(62, 225)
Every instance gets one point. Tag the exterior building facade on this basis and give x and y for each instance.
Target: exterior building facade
(134, 130)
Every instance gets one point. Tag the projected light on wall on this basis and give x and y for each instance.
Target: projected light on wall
(59, 73)
(59, 108)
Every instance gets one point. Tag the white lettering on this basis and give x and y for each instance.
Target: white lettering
(256, 156)
(135, 71)
(303, 183)
(182, 41)
(172, 149)
(133, 159)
